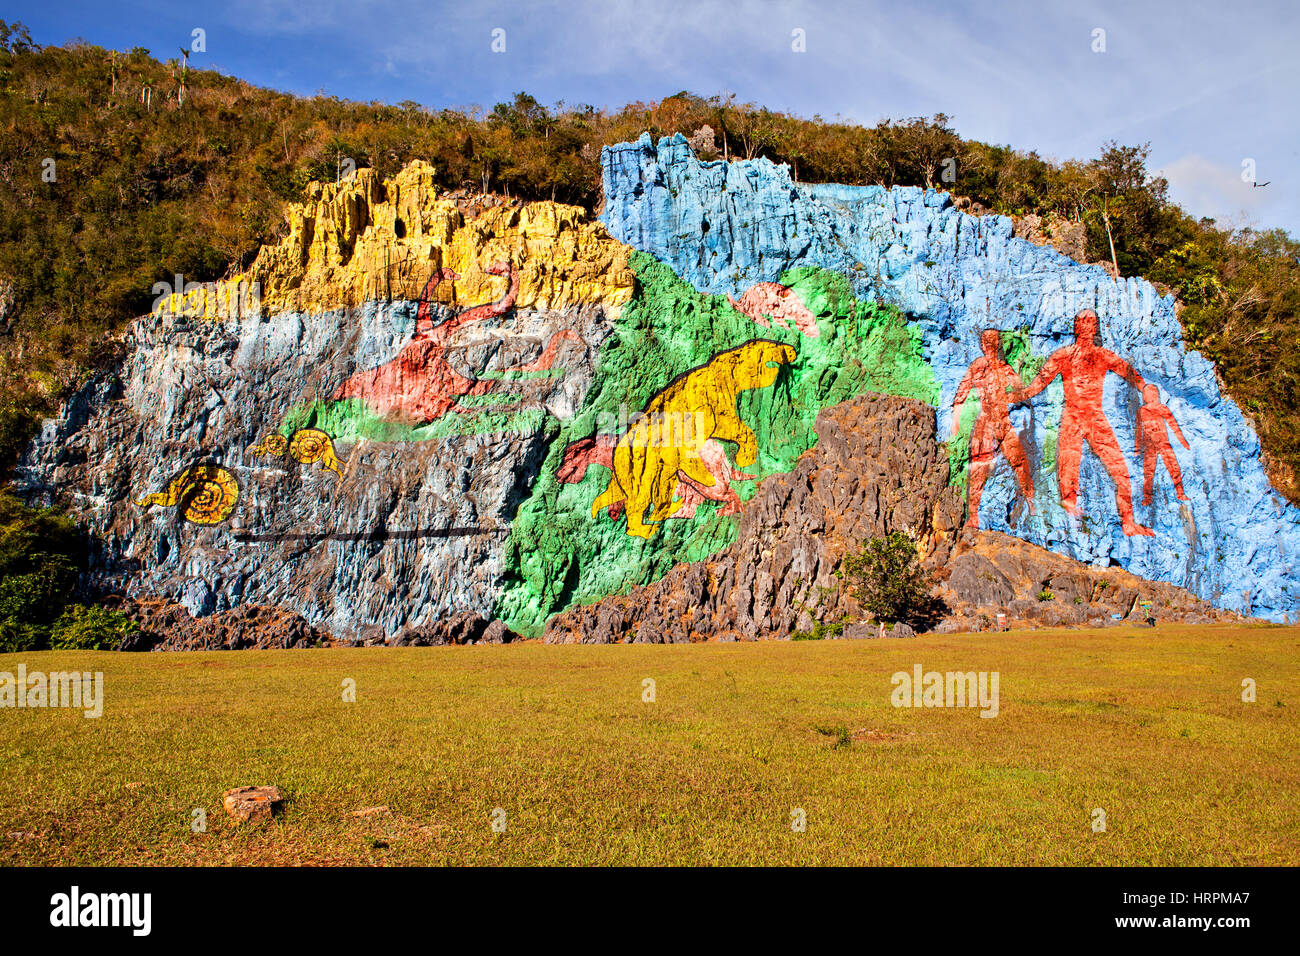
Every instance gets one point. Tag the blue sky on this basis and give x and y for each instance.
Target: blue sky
(1210, 85)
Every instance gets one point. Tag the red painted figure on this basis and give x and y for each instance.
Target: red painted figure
(994, 380)
(1153, 423)
(1082, 368)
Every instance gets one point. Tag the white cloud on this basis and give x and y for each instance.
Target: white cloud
(1206, 188)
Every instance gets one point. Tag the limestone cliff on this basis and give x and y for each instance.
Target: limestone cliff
(1088, 471)
(409, 411)
(364, 240)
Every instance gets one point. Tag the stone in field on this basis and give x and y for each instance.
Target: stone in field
(252, 804)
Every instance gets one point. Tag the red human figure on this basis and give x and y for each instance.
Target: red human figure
(1082, 368)
(1153, 423)
(994, 380)
(419, 385)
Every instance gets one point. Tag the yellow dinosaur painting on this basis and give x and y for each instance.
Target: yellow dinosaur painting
(671, 438)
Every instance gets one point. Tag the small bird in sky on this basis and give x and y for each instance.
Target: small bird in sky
(1259, 185)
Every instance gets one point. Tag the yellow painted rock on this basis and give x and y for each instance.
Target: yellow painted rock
(370, 240)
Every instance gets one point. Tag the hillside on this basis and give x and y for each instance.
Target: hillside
(401, 393)
(163, 171)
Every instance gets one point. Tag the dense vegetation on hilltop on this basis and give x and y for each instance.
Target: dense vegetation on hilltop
(120, 171)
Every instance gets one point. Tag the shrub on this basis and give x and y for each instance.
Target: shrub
(887, 580)
(84, 627)
(821, 630)
(38, 552)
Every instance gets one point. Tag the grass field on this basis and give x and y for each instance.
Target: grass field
(1148, 725)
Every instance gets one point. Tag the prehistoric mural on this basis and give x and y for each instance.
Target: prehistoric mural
(770, 303)
(673, 445)
(305, 446)
(994, 382)
(1082, 368)
(205, 493)
(1154, 423)
(512, 408)
(1233, 538)
(420, 385)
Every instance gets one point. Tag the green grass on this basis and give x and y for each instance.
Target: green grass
(1146, 724)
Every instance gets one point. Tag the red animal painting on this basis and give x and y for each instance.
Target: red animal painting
(1082, 368)
(993, 380)
(420, 385)
(1154, 422)
(771, 300)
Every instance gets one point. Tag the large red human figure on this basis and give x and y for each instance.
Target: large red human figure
(1154, 421)
(1082, 368)
(993, 380)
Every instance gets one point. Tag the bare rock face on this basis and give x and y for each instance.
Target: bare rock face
(252, 804)
(467, 628)
(1066, 237)
(875, 469)
(991, 573)
(167, 626)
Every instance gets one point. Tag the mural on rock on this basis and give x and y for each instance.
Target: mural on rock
(666, 447)
(1082, 369)
(660, 359)
(772, 303)
(993, 382)
(205, 494)
(725, 227)
(1154, 423)
(305, 446)
(514, 410)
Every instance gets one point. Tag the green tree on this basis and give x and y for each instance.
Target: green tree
(886, 578)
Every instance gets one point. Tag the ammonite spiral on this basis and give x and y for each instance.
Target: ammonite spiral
(306, 446)
(205, 493)
(311, 445)
(272, 444)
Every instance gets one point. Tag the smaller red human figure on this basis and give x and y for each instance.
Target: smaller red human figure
(993, 379)
(1153, 423)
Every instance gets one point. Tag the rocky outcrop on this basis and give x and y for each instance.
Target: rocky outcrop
(165, 626)
(991, 573)
(458, 629)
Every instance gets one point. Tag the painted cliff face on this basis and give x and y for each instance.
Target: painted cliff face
(1054, 470)
(514, 413)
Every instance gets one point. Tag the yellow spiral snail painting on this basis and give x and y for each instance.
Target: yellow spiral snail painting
(206, 494)
(305, 446)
